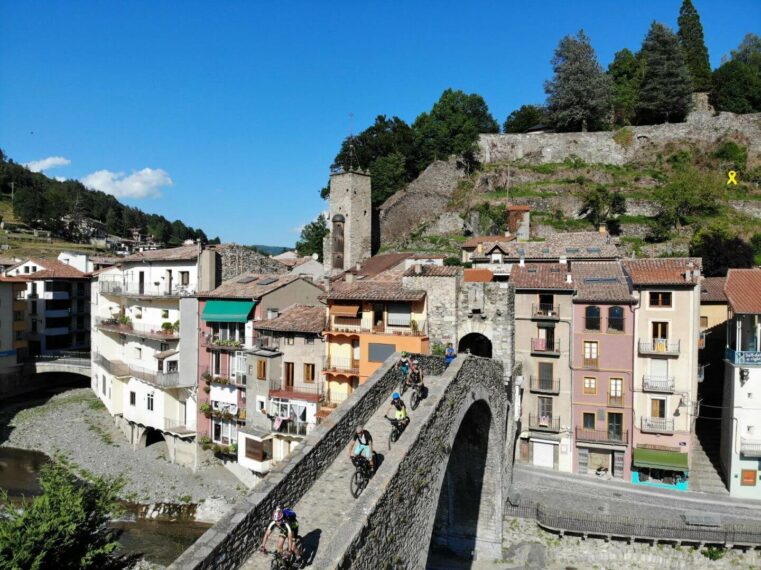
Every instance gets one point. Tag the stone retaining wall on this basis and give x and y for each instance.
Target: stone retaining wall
(231, 541)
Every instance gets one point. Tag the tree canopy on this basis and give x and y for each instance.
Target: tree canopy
(721, 249)
(520, 120)
(626, 72)
(67, 527)
(665, 93)
(311, 237)
(693, 44)
(737, 82)
(43, 202)
(580, 94)
(599, 205)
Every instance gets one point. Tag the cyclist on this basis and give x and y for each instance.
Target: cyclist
(399, 408)
(362, 444)
(404, 364)
(449, 354)
(285, 521)
(416, 377)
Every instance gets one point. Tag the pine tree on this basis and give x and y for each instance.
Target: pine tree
(695, 52)
(626, 72)
(666, 90)
(580, 94)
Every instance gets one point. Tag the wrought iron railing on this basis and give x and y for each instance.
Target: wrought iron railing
(657, 425)
(544, 423)
(664, 384)
(659, 346)
(610, 435)
(545, 385)
(545, 311)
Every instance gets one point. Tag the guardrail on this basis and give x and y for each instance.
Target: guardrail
(659, 346)
(653, 529)
(545, 311)
(545, 385)
(136, 289)
(664, 384)
(657, 425)
(602, 435)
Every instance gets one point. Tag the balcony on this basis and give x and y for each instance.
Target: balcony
(138, 290)
(615, 400)
(217, 343)
(660, 346)
(663, 384)
(365, 326)
(160, 379)
(138, 330)
(288, 427)
(750, 447)
(543, 385)
(657, 425)
(545, 312)
(544, 423)
(612, 435)
(744, 357)
(338, 364)
(309, 392)
(544, 346)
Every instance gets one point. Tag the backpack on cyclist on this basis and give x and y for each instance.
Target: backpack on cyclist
(289, 515)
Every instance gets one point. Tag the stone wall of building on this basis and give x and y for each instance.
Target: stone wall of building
(231, 541)
(398, 516)
(441, 300)
(350, 197)
(601, 147)
(235, 260)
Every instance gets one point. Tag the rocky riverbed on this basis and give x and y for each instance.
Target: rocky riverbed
(76, 424)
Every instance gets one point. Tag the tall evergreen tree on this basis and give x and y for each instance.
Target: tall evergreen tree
(580, 94)
(665, 94)
(524, 118)
(626, 72)
(695, 52)
(311, 237)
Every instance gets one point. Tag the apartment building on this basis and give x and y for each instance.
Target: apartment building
(603, 351)
(665, 370)
(229, 355)
(13, 324)
(543, 317)
(137, 370)
(58, 305)
(368, 320)
(741, 418)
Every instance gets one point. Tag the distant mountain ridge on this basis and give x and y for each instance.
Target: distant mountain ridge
(271, 249)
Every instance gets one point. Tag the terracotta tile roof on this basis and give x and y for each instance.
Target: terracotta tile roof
(433, 271)
(54, 269)
(571, 245)
(380, 263)
(428, 256)
(252, 285)
(600, 282)
(477, 276)
(296, 318)
(743, 290)
(473, 241)
(18, 279)
(182, 253)
(373, 290)
(712, 290)
(541, 276)
(661, 271)
(518, 208)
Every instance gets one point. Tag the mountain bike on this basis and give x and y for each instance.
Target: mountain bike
(417, 395)
(361, 477)
(285, 560)
(397, 428)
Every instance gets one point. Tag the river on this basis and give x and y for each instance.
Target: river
(159, 541)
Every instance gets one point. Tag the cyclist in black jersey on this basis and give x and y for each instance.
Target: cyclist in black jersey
(283, 520)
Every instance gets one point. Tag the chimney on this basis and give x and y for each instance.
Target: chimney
(688, 273)
(418, 269)
(603, 229)
(522, 262)
(562, 260)
(480, 249)
(349, 277)
(568, 278)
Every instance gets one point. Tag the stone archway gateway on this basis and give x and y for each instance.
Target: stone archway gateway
(477, 344)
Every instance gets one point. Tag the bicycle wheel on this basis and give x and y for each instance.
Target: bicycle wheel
(393, 437)
(357, 483)
(403, 387)
(415, 399)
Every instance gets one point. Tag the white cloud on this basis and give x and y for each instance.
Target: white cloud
(145, 183)
(60, 178)
(45, 163)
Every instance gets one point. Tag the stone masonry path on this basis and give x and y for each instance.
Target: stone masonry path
(329, 501)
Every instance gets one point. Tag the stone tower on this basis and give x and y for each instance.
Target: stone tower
(350, 222)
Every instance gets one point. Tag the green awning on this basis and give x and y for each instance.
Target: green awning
(227, 311)
(657, 459)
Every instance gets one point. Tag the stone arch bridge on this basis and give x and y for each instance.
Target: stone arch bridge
(442, 483)
(63, 363)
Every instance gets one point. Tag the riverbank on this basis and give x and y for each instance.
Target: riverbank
(76, 424)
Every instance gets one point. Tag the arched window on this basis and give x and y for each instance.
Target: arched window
(616, 319)
(592, 317)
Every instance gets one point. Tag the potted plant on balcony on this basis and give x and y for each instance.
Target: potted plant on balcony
(207, 377)
(207, 388)
(205, 409)
(413, 326)
(167, 328)
(176, 326)
(124, 321)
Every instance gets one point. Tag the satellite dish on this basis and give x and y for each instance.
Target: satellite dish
(315, 256)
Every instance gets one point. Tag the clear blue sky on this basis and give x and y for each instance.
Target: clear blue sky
(243, 105)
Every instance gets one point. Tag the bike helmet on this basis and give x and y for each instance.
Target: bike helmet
(396, 396)
(277, 514)
(404, 354)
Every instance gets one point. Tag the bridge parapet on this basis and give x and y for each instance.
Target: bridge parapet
(235, 537)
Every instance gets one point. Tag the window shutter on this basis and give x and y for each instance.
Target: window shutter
(583, 460)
